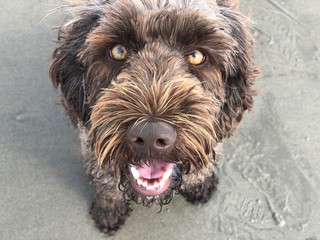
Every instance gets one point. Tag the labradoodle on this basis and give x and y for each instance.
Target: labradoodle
(153, 87)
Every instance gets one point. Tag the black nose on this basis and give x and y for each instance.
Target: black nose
(152, 137)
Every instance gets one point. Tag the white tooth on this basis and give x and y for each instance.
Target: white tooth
(155, 185)
(161, 183)
(167, 174)
(150, 188)
(144, 183)
(135, 173)
(139, 181)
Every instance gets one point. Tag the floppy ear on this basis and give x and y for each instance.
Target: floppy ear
(238, 84)
(66, 70)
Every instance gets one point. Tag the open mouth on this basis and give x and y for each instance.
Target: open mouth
(151, 179)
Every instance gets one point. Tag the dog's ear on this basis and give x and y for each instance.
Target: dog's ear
(66, 70)
(238, 83)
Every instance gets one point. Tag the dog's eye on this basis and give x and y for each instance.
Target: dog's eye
(119, 52)
(196, 58)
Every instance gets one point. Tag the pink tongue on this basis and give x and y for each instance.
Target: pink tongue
(154, 170)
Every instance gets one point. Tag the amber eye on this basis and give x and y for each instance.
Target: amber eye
(196, 57)
(119, 52)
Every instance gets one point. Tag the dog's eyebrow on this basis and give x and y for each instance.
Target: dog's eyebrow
(181, 28)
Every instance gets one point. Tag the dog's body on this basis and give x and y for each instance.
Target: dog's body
(154, 87)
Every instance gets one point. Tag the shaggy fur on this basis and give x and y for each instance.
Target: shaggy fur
(154, 83)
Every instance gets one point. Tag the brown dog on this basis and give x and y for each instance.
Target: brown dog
(154, 87)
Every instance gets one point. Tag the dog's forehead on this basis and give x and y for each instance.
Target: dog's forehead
(140, 12)
(175, 4)
(206, 7)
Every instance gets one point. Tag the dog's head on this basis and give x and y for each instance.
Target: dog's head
(156, 83)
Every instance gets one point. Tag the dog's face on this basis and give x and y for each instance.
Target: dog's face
(157, 84)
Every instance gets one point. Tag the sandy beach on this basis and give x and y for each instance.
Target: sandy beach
(269, 174)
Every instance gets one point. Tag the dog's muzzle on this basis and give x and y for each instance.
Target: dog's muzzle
(150, 176)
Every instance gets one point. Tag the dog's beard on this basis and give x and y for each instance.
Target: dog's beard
(159, 187)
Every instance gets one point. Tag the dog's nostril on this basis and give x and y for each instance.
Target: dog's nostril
(161, 143)
(139, 141)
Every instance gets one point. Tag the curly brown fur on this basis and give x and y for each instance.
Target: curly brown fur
(154, 89)
(198, 186)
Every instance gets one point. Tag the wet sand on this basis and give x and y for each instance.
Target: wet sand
(269, 175)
